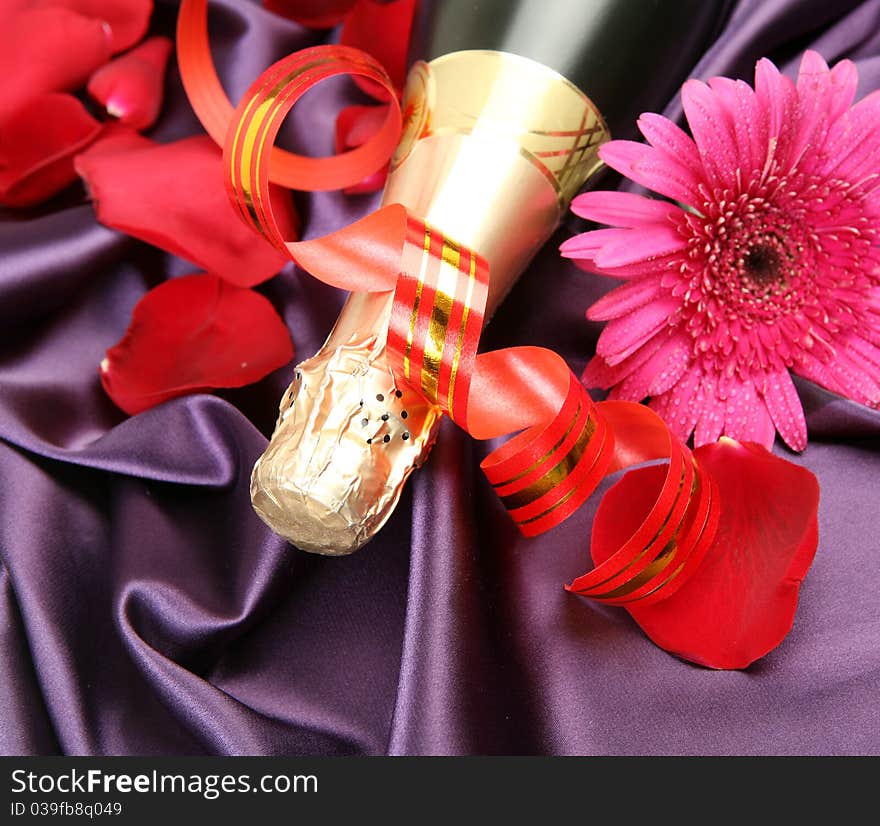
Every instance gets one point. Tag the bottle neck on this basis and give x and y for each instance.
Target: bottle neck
(629, 56)
(494, 147)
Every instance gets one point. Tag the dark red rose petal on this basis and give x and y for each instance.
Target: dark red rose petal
(740, 602)
(382, 30)
(173, 196)
(355, 126)
(127, 19)
(130, 87)
(316, 14)
(37, 144)
(48, 50)
(193, 334)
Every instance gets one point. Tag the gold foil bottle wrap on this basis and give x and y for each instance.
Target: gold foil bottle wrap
(493, 148)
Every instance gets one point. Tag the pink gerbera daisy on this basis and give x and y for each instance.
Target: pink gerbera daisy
(769, 266)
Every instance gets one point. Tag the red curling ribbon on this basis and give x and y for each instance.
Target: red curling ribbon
(215, 111)
(661, 521)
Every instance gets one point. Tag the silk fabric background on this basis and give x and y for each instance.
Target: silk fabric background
(146, 609)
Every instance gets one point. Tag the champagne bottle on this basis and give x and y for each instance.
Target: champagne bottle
(498, 137)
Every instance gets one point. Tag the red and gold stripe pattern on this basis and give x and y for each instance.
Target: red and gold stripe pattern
(669, 544)
(545, 474)
(437, 317)
(284, 83)
(250, 139)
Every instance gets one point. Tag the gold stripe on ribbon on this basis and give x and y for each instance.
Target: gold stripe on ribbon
(641, 554)
(415, 310)
(556, 475)
(561, 502)
(267, 105)
(444, 296)
(241, 188)
(679, 569)
(456, 356)
(262, 102)
(661, 561)
(548, 454)
(280, 101)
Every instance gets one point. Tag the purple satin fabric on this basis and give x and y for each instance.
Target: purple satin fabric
(146, 609)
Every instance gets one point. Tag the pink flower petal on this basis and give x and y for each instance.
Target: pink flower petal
(679, 406)
(712, 127)
(130, 87)
(777, 97)
(817, 371)
(651, 169)
(173, 196)
(670, 363)
(587, 244)
(844, 81)
(853, 141)
(598, 373)
(632, 385)
(861, 351)
(857, 379)
(749, 129)
(712, 410)
(37, 145)
(785, 409)
(814, 93)
(623, 336)
(648, 243)
(625, 299)
(747, 418)
(671, 139)
(623, 209)
(660, 371)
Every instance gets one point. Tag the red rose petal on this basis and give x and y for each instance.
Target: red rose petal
(173, 196)
(382, 30)
(128, 19)
(740, 602)
(48, 50)
(191, 334)
(9, 8)
(115, 137)
(354, 127)
(130, 87)
(37, 145)
(316, 14)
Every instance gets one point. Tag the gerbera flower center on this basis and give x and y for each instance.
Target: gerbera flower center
(749, 259)
(762, 264)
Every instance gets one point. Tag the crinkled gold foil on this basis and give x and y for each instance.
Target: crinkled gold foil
(494, 146)
(347, 438)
